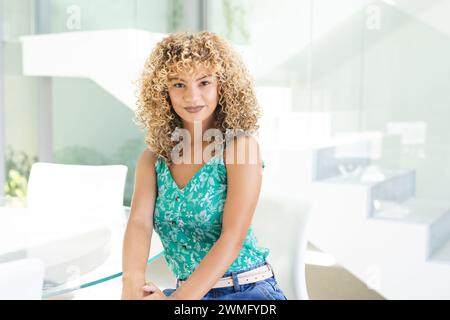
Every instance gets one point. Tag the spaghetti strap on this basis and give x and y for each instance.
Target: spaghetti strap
(158, 164)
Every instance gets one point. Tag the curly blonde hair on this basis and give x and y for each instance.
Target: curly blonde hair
(237, 107)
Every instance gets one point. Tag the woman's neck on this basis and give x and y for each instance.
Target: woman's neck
(197, 129)
(197, 145)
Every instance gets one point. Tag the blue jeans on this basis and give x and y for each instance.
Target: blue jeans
(267, 289)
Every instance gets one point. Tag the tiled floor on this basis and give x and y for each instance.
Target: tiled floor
(335, 283)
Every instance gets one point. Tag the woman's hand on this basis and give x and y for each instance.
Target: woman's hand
(152, 292)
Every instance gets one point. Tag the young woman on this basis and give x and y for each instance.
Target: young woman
(201, 206)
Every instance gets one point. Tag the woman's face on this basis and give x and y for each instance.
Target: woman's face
(194, 96)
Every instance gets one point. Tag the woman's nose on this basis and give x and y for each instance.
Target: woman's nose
(191, 94)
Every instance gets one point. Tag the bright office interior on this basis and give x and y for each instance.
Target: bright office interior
(354, 134)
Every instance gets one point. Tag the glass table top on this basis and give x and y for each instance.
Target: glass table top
(78, 250)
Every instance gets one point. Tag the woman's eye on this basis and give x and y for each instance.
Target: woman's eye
(176, 85)
(205, 83)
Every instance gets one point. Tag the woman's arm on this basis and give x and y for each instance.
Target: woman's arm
(244, 185)
(137, 239)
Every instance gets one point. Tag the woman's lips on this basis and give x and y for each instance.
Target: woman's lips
(193, 109)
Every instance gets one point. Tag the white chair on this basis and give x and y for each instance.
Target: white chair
(280, 225)
(65, 189)
(21, 280)
(75, 204)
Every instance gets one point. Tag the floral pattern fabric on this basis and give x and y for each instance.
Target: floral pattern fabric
(189, 220)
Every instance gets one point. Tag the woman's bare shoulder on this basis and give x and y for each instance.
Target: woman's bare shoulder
(147, 157)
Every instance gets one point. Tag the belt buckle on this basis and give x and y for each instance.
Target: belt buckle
(230, 278)
(250, 275)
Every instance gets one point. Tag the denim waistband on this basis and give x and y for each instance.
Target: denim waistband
(235, 273)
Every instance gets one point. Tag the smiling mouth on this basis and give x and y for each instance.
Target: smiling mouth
(193, 109)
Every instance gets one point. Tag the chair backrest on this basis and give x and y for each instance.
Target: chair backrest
(280, 224)
(21, 279)
(66, 188)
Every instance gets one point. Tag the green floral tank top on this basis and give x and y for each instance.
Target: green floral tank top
(189, 220)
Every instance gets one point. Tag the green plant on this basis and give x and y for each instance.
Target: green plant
(18, 167)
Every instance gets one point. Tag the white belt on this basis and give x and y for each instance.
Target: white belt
(258, 274)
